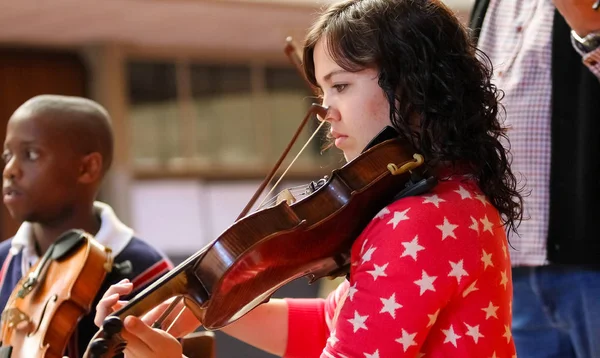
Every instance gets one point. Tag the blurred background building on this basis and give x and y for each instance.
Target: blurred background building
(202, 97)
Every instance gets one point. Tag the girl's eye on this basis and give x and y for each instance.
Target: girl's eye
(340, 87)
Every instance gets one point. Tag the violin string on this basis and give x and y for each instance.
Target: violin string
(165, 314)
(176, 318)
(293, 161)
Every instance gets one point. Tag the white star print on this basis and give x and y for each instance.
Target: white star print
(474, 332)
(487, 260)
(457, 270)
(507, 333)
(368, 255)
(351, 291)
(447, 229)
(332, 340)
(464, 194)
(398, 216)
(407, 339)
(433, 199)
(487, 225)
(358, 321)
(504, 279)
(425, 283)
(373, 355)
(504, 250)
(470, 289)
(411, 248)
(421, 355)
(382, 213)
(390, 306)
(490, 311)
(433, 318)
(450, 336)
(482, 199)
(494, 355)
(475, 225)
(379, 271)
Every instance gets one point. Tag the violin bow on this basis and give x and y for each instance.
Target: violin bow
(295, 57)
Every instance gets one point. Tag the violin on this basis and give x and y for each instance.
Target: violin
(311, 237)
(44, 308)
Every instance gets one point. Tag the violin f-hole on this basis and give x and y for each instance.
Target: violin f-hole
(50, 300)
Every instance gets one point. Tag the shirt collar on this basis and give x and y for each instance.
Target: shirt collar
(112, 234)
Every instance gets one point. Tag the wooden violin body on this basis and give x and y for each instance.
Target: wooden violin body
(269, 248)
(49, 301)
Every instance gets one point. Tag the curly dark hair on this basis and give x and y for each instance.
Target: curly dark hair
(428, 65)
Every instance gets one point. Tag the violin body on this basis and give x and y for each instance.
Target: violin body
(47, 310)
(311, 237)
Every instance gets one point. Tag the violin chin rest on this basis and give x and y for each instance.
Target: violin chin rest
(66, 242)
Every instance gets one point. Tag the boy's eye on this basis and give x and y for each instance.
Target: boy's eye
(32, 154)
(6, 156)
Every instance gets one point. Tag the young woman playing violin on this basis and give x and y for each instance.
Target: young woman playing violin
(430, 274)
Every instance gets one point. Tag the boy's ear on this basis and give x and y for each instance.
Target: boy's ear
(90, 170)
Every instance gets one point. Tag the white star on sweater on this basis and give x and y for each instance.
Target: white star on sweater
(390, 305)
(490, 311)
(464, 194)
(475, 225)
(332, 340)
(482, 199)
(504, 279)
(487, 225)
(457, 270)
(507, 333)
(398, 216)
(433, 318)
(447, 229)
(470, 289)
(358, 321)
(372, 355)
(411, 248)
(425, 283)
(487, 260)
(433, 199)
(368, 255)
(379, 271)
(474, 332)
(450, 336)
(407, 339)
(351, 291)
(382, 213)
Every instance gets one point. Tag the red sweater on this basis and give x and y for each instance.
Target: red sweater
(430, 277)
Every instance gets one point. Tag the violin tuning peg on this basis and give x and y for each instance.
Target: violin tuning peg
(98, 347)
(111, 326)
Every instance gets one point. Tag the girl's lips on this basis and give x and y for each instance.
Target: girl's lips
(340, 140)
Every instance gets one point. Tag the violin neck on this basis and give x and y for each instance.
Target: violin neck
(180, 281)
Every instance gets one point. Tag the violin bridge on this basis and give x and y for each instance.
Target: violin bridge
(287, 196)
(14, 316)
